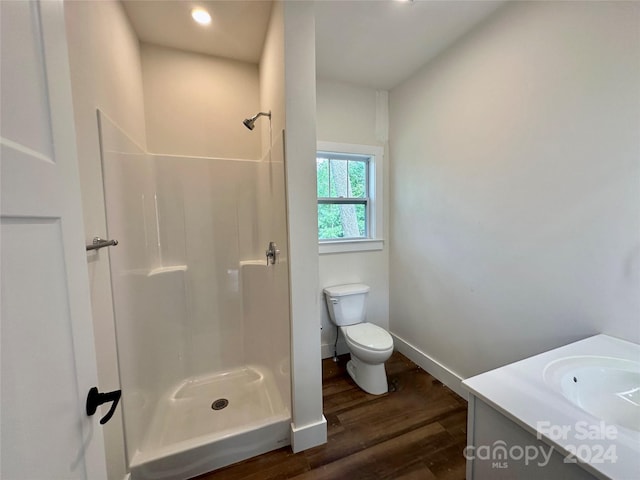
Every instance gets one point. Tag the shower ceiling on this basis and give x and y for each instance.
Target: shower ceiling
(365, 42)
(237, 28)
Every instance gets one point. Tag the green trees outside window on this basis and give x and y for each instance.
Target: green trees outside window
(342, 196)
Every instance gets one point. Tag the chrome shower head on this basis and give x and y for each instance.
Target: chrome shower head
(250, 123)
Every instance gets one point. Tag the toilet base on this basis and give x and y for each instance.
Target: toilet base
(370, 378)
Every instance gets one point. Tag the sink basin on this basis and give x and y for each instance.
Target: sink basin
(606, 387)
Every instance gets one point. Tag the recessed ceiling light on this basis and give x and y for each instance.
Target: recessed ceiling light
(201, 16)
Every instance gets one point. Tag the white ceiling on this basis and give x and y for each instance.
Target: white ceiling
(381, 43)
(237, 28)
(375, 43)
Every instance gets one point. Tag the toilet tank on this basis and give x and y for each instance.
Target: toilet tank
(346, 303)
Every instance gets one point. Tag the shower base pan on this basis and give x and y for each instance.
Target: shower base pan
(211, 421)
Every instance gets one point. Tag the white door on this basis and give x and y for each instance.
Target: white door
(48, 361)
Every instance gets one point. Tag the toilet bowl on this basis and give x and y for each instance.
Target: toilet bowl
(369, 345)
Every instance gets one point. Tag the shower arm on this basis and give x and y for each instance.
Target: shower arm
(261, 114)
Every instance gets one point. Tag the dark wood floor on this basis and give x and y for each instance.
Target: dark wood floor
(416, 431)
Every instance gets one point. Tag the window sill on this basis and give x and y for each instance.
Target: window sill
(348, 246)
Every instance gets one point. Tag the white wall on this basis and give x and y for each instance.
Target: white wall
(271, 70)
(106, 74)
(515, 209)
(346, 113)
(309, 425)
(349, 114)
(195, 104)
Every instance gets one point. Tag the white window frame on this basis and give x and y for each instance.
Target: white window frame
(374, 240)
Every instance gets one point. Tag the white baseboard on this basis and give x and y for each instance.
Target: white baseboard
(450, 378)
(308, 436)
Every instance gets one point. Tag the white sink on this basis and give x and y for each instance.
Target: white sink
(606, 387)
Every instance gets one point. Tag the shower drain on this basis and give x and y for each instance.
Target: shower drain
(220, 404)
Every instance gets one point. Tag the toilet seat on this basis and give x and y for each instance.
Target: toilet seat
(368, 336)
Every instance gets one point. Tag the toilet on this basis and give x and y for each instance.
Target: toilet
(370, 345)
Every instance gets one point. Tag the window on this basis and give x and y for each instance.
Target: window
(348, 194)
(343, 196)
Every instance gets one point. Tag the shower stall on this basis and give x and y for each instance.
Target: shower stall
(202, 314)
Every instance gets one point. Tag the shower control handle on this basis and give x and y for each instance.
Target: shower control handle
(272, 253)
(95, 399)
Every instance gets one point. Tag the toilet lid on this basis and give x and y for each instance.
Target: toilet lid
(368, 335)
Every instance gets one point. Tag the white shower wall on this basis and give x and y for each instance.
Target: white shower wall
(208, 206)
(148, 304)
(266, 290)
(192, 293)
(220, 215)
(217, 215)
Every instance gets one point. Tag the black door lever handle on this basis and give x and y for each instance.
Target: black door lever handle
(95, 399)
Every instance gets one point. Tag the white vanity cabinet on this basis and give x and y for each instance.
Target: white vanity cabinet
(569, 413)
(498, 448)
